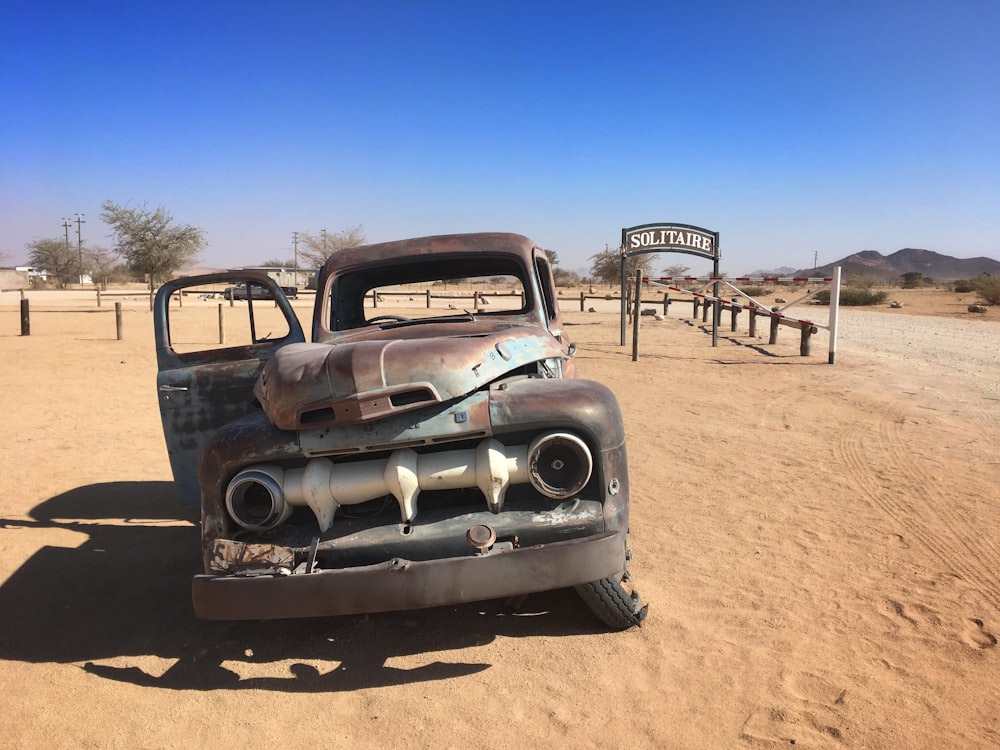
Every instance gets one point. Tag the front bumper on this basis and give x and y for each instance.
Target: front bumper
(405, 584)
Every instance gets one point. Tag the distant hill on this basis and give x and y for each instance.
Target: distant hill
(783, 271)
(930, 264)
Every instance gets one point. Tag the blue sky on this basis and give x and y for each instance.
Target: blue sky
(790, 127)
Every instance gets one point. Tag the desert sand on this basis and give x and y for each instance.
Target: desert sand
(818, 544)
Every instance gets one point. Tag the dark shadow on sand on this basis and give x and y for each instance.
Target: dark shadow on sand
(125, 592)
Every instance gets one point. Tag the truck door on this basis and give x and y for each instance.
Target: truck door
(211, 344)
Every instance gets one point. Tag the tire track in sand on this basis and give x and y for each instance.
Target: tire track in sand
(960, 524)
(937, 524)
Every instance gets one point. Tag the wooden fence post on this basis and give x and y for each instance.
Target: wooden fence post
(774, 331)
(666, 303)
(804, 342)
(25, 318)
(753, 321)
(735, 309)
(118, 321)
(98, 296)
(583, 298)
(222, 323)
(696, 302)
(635, 315)
(428, 299)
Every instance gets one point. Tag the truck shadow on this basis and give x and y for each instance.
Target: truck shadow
(119, 606)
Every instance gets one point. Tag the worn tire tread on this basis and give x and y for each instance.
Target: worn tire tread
(615, 607)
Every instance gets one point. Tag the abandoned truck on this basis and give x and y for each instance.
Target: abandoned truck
(439, 454)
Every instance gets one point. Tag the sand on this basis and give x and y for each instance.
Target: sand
(818, 545)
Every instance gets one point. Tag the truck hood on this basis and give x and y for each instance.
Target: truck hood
(306, 386)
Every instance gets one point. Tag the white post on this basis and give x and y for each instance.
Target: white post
(834, 314)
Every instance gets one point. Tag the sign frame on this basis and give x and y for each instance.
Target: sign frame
(670, 237)
(659, 237)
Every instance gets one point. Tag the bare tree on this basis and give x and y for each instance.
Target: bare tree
(316, 249)
(678, 269)
(100, 263)
(607, 265)
(53, 255)
(149, 241)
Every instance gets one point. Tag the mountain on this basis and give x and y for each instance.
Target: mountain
(928, 263)
(783, 271)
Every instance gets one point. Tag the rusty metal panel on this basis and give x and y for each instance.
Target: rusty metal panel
(309, 385)
(407, 584)
(442, 423)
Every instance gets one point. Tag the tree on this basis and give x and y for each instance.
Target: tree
(51, 254)
(149, 241)
(606, 265)
(277, 263)
(676, 270)
(100, 263)
(552, 256)
(915, 280)
(316, 249)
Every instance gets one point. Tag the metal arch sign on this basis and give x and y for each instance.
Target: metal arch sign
(685, 238)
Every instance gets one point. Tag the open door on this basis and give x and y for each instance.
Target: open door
(213, 335)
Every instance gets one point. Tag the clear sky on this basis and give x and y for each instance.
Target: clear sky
(789, 126)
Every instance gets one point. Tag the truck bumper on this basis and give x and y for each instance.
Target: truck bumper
(406, 584)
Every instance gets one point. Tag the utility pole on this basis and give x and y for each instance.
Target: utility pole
(79, 242)
(815, 260)
(295, 245)
(66, 227)
(323, 232)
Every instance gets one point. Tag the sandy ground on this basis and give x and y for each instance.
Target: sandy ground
(819, 546)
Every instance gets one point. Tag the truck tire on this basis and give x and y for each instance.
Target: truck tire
(612, 604)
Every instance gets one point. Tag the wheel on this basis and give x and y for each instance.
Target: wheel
(612, 604)
(384, 318)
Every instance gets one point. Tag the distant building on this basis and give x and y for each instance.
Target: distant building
(300, 278)
(14, 278)
(30, 273)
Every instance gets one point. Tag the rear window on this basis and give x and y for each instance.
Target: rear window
(438, 286)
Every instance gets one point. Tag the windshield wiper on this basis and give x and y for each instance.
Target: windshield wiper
(464, 316)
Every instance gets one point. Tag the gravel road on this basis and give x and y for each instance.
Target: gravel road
(962, 349)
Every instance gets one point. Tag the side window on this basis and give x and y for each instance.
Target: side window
(229, 314)
(548, 291)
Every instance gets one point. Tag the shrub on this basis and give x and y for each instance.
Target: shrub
(562, 277)
(861, 281)
(988, 287)
(853, 297)
(963, 286)
(915, 280)
(757, 291)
